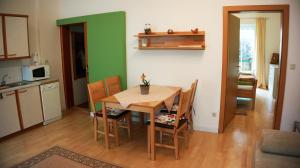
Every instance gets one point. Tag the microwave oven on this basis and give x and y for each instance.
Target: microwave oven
(35, 72)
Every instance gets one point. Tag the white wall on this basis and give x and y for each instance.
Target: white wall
(50, 40)
(175, 67)
(273, 33)
(13, 69)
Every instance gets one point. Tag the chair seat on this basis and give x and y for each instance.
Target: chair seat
(245, 87)
(113, 113)
(167, 121)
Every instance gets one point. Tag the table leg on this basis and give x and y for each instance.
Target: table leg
(105, 125)
(149, 142)
(152, 134)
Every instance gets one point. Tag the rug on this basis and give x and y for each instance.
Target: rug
(59, 157)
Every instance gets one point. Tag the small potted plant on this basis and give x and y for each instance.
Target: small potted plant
(145, 85)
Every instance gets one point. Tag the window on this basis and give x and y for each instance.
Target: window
(247, 48)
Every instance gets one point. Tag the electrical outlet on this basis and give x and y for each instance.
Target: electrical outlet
(292, 66)
(214, 114)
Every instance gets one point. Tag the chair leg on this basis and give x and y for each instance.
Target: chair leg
(95, 121)
(148, 142)
(160, 136)
(110, 127)
(253, 104)
(115, 128)
(186, 137)
(176, 146)
(128, 118)
(191, 128)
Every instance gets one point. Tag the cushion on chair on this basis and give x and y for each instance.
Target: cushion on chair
(280, 142)
(245, 87)
(113, 113)
(166, 120)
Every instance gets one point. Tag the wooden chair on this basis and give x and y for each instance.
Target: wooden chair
(173, 124)
(96, 93)
(248, 91)
(113, 86)
(189, 114)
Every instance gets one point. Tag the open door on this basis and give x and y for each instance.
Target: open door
(74, 60)
(66, 61)
(233, 68)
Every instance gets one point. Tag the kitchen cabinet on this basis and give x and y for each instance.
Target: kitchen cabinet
(14, 37)
(9, 118)
(30, 106)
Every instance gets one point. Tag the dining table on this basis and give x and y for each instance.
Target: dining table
(132, 99)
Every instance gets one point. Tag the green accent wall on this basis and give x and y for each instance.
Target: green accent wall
(106, 44)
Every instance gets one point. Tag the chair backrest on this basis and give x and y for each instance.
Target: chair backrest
(113, 85)
(96, 92)
(183, 108)
(194, 88)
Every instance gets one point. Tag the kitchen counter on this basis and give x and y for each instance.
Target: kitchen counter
(28, 84)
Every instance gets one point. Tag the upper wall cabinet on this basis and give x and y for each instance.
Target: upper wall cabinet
(14, 37)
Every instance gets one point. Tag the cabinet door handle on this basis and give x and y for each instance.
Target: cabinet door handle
(22, 91)
(9, 94)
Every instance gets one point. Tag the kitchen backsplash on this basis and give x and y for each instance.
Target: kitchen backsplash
(14, 70)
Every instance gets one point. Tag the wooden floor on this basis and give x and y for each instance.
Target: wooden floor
(233, 148)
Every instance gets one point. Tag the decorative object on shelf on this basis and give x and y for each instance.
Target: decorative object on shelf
(195, 31)
(176, 41)
(170, 31)
(145, 86)
(275, 58)
(147, 28)
(144, 42)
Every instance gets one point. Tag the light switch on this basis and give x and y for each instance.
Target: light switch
(292, 66)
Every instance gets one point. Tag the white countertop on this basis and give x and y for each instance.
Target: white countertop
(34, 83)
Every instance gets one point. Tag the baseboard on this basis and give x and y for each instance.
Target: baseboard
(52, 120)
(206, 129)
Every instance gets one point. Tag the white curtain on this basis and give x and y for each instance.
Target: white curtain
(260, 53)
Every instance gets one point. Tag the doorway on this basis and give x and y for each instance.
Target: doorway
(232, 63)
(74, 59)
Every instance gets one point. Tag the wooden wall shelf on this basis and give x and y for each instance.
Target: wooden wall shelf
(174, 41)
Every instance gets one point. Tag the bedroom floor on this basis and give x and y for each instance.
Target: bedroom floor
(233, 148)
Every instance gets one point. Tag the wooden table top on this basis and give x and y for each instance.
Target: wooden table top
(152, 104)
